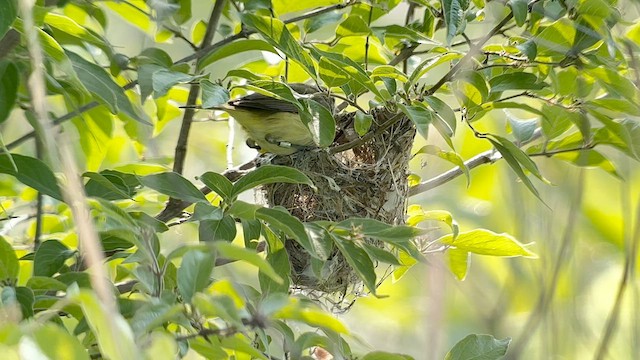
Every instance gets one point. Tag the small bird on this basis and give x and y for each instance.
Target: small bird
(274, 125)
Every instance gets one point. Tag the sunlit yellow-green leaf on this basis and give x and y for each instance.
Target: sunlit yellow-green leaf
(458, 261)
(486, 242)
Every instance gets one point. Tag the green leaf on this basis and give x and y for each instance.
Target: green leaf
(279, 261)
(162, 80)
(9, 266)
(382, 255)
(421, 116)
(25, 297)
(383, 355)
(269, 174)
(50, 258)
(523, 130)
(485, 242)
(111, 330)
(174, 185)
(9, 82)
(331, 73)
(346, 65)
(589, 159)
(471, 89)
(206, 211)
(449, 156)
(277, 34)
(528, 49)
(194, 273)
(213, 94)
(556, 39)
(104, 89)
(515, 157)
(444, 115)
(8, 13)
(428, 64)
(31, 172)
(310, 314)
(57, 343)
(458, 261)
(394, 234)
(323, 126)
(233, 252)
(515, 81)
(108, 186)
(218, 183)
(401, 33)
(288, 224)
(359, 261)
(362, 122)
(217, 230)
(453, 16)
(474, 347)
(45, 283)
(353, 26)
(242, 344)
(387, 71)
(315, 23)
(520, 8)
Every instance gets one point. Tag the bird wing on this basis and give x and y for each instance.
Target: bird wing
(262, 102)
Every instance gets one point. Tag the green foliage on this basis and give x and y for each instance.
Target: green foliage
(562, 75)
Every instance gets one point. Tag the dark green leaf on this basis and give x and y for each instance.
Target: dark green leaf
(515, 165)
(269, 174)
(31, 172)
(213, 94)
(174, 185)
(444, 113)
(453, 17)
(362, 122)
(217, 230)
(323, 126)
(9, 266)
(206, 211)
(117, 239)
(359, 260)
(50, 258)
(589, 158)
(8, 13)
(520, 8)
(515, 81)
(26, 299)
(9, 82)
(376, 253)
(218, 183)
(379, 230)
(194, 273)
(109, 187)
(529, 49)
(104, 89)
(288, 224)
(45, 283)
(421, 116)
(474, 347)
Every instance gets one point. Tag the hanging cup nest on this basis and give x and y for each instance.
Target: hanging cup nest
(368, 181)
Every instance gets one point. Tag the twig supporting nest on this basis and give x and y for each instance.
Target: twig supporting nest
(369, 181)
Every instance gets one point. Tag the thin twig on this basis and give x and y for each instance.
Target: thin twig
(187, 119)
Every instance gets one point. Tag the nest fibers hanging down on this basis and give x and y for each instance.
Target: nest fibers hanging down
(368, 181)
